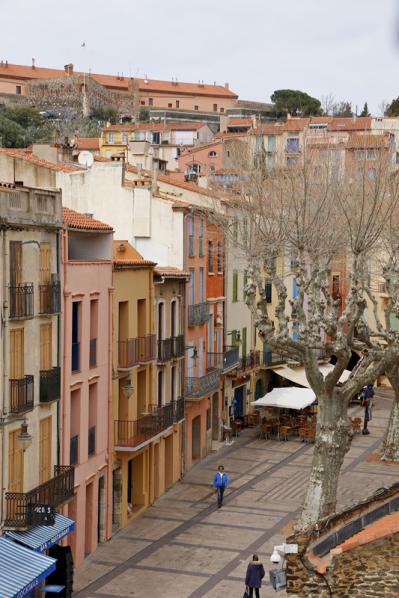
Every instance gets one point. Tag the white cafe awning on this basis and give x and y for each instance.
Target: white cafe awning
(288, 397)
(298, 376)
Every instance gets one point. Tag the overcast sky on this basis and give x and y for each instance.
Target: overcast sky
(346, 47)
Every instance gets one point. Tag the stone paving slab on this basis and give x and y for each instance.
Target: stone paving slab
(183, 547)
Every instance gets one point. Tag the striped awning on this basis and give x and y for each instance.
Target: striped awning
(21, 569)
(42, 537)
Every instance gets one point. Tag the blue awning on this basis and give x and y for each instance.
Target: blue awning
(21, 570)
(42, 537)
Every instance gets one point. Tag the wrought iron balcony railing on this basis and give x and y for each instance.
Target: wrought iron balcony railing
(270, 358)
(170, 348)
(50, 385)
(198, 387)
(21, 394)
(21, 301)
(198, 314)
(132, 433)
(137, 350)
(228, 360)
(55, 492)
(50, 297)
(250, 361)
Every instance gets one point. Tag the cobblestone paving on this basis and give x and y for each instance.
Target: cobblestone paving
(184, 547)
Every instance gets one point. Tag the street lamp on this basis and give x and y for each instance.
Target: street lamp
(24, 438)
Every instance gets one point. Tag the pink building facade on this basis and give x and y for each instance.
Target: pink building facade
(86, 405)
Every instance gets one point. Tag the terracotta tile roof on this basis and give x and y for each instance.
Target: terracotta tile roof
(157, 126)
(102, 159)
(228, 134)
(171, 272)
(29, 157)
(240, 122)
(126, 256)
(350, 124)
(17, 71)
(89, 143)
(198, 148)
(80, 221)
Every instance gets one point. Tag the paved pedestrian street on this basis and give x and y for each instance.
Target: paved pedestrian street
(183, 546)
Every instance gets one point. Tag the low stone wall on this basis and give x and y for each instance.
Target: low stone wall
(365, 571)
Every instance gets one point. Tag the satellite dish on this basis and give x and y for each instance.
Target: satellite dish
(85, 158)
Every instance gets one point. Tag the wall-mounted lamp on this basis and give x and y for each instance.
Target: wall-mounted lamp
(128, 389)
(195, 352)
(24, 438)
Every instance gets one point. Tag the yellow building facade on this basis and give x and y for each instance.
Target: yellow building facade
(147, 432)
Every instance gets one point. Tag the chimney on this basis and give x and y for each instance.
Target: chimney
(226, 85)
(68, 68)
(33, 63)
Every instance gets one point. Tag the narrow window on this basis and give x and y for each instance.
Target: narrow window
(210, 256)
(150, 101)
(235, 286)
(215, 107)
(177, 103)
(220, 269)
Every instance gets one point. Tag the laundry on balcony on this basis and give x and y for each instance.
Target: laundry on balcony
(21, 569)
(42, 537)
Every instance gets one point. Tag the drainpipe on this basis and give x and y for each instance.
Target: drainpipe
(109, 453)
(58, 259)
(64, 262)
(183, 370)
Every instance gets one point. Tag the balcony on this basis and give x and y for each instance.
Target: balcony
(270, 358)
(198, 314)
(226, 361)
(93, 353)
(21, 394)
(55, 492)
(50, 385)
(134, 351)
(21, 301)
(196, 388)
(250, 361)
(171, 348)
(133, 433)
(50, 297)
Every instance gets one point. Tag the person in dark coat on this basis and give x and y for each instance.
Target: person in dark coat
(254, 576)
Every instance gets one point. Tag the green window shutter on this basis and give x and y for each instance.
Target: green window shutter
(235, 286)
(244, 342)
(244, 284)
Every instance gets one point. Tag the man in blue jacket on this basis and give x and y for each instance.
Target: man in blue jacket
(220, 483)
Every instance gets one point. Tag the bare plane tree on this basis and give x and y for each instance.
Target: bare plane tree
(299, 224)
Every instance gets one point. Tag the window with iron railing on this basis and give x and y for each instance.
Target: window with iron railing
(210, 256)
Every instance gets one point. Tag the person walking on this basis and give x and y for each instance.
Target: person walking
(254, 576)
(220, 483)
(367, 402)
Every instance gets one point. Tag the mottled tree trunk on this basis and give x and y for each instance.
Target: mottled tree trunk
(333, 439)
(390, 446)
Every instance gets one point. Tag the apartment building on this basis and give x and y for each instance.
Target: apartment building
(35, 479)
(147, 410)
(86, 409)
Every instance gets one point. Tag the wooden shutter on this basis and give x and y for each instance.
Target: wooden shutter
(45, 450)
(46, 354)
(45, 263)
(15, 262)
(244, 341)
(245, 282)
(17, 353)
(15, 464)
(235, 286)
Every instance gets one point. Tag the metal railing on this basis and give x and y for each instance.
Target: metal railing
(178, 346)
(198, 314)
(270, 358)
(50, 297)
(172, 347)
(21, 394)
(225, 361)
(250, 361)
(92, 441)
(197, 387)
(21, 301)
(137, 350)
(132, 433)
(93, 353)
(74, 450)
(54, 493)
(50, 385)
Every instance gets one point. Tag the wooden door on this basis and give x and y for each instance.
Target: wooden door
(45, 450)
(15, 464)
(17, 353)
(46, 346)
(15, 262)
(45, 263)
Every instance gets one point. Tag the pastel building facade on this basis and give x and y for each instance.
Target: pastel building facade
(86, 414)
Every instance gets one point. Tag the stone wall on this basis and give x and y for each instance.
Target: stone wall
(365, 571)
